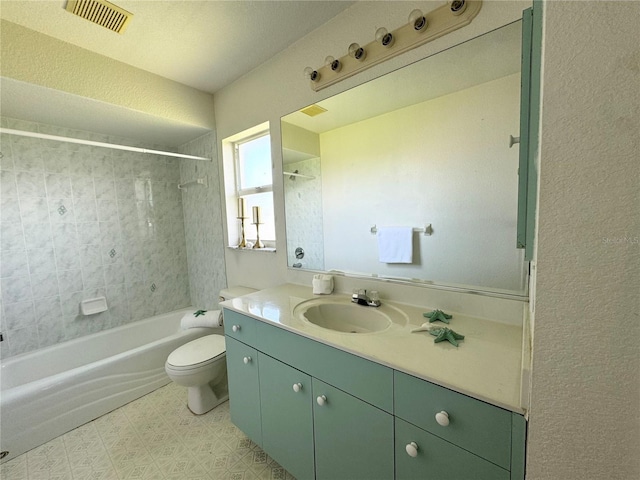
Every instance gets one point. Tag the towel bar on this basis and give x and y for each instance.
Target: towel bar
(427, 230)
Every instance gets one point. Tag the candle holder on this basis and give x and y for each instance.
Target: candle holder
(258, 243)
(243, 240)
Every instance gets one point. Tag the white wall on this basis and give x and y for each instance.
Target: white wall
(446, 162)
(585, 410)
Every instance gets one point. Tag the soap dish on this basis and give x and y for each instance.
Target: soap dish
(91, 306)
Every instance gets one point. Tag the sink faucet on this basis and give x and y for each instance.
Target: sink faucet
(361, 298)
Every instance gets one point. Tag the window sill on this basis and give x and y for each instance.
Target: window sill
(251, 249)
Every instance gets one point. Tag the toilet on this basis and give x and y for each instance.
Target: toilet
(201, 365)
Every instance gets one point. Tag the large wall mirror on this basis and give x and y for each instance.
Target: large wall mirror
(426, 145)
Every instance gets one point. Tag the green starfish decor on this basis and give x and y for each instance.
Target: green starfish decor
(437, 315)
(199, 312)
(445, 333)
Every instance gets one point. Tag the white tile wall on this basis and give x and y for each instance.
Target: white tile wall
(303, 200)
(78, 222)
(203, 223)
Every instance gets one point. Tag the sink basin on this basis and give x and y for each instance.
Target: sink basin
(341, 315)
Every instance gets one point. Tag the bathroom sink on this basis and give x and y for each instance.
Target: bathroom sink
(341, 315)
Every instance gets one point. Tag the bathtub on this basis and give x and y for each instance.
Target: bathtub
(51, 391)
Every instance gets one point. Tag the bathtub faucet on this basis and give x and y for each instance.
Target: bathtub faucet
(361, 298)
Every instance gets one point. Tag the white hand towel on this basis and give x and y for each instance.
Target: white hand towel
(210, 319)
(395, 244)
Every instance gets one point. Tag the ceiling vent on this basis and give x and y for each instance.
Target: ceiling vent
(102, 13)
(313, 110)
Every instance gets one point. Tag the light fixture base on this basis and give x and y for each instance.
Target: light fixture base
(439, 22)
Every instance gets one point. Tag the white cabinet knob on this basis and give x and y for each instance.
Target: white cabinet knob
(236, 328)
(246, 360)
(412, 449)
(321, 400)
(442, 418)
(297, 387)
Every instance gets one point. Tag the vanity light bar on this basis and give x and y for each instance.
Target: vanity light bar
(439, 22)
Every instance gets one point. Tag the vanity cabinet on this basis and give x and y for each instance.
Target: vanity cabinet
(244, 386)
(353, 440)
(327, 414)
(420, 454)
(450, 435)
(287, 416)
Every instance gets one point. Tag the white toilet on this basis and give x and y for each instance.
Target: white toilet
(201, 365)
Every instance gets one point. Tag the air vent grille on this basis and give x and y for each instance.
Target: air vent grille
(102, 13)
(313, 110)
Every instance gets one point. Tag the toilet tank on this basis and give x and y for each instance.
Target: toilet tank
(233, 292)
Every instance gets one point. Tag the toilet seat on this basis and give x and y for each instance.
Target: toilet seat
(197, 353)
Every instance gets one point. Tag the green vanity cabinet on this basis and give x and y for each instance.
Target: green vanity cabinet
(323, 413)
(474, 425)
(354, 440)
(287, 416)
(420, 454)
(244, 388)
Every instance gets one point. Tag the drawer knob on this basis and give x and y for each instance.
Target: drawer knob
(412, 449)
(321, 400)
(236, 328)
(246, 360)
(297, 387)
(442, 418)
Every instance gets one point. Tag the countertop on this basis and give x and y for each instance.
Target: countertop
(487, 365)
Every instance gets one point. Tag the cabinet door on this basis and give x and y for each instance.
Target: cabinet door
(244, 388)
(287, 416)
(437, 458)
(353, 439)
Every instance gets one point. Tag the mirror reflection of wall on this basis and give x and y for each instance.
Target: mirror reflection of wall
(303, 197)
(439, 156)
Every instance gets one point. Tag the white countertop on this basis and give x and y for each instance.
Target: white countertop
(487, 365)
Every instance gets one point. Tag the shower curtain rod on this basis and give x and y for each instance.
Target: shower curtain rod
(98, 144)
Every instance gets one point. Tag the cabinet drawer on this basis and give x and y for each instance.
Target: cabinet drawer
(239, 326)
(474, 425)
(437, 458)
(362, 378)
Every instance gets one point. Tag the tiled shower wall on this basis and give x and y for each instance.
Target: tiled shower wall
(203, 223)
(303, 200)
(78, 222)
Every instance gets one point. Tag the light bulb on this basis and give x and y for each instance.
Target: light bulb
(357, 52)
(417, 20)
(385, 38)
(457, 6)
(333, 64)
(311, 74)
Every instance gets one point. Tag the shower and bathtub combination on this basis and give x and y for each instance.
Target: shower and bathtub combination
(53, 390)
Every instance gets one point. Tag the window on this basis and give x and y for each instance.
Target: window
(248, 175)
(255, 183)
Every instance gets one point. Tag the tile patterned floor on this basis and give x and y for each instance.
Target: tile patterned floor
(154, 437)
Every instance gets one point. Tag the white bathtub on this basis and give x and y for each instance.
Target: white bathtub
(51, 391)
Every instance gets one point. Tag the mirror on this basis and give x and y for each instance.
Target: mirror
(426, 147)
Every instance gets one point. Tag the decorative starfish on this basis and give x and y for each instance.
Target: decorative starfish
(436, 315)
(445, 333)
(199, 312)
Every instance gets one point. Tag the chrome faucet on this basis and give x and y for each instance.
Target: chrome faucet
(361, 298)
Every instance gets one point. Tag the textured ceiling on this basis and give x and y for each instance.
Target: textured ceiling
(203, 44)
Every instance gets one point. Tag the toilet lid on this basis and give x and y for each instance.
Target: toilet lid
(198, 351)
